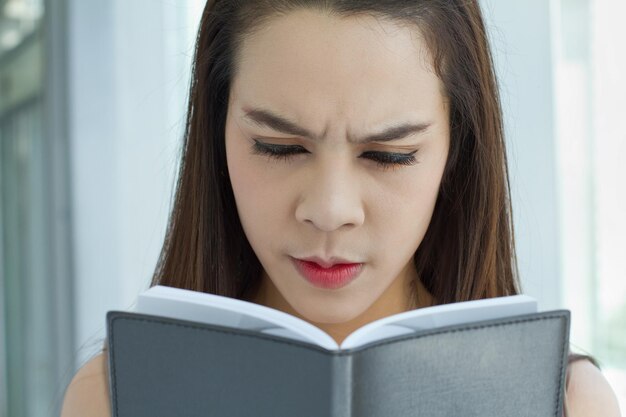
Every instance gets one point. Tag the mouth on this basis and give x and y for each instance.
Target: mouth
(334, 277)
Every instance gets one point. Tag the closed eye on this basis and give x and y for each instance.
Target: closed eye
(385, 160)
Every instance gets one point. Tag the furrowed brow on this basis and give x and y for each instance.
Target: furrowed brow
(266, 118)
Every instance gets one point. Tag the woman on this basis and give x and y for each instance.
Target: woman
(331, 132)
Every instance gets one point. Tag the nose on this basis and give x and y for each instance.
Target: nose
(331, 198)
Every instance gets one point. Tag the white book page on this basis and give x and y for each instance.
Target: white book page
(225, 311)
(440, 315)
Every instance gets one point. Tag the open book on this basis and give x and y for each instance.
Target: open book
(215, 309)
(188, 353)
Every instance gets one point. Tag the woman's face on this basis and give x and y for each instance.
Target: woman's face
(341, 81)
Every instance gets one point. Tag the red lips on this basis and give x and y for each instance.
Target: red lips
(334, 277)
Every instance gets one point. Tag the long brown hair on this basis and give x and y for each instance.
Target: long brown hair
(468, 251)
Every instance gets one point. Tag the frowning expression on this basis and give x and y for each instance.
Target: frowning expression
(336, 140)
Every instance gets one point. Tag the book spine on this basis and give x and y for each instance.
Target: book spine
(341, 386)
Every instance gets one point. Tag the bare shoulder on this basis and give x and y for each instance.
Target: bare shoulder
(589, 393)
(87, 395)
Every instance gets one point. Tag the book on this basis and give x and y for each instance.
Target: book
(187, 353)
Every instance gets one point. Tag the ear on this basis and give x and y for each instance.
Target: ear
(589, 393)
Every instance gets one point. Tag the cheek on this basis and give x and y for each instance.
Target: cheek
(257, 195)
(402, 213)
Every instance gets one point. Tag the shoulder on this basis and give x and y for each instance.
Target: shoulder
(87, 395)
(589, 393)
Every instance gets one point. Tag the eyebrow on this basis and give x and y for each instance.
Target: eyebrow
(266, 118)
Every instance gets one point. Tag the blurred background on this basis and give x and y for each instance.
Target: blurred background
(92, 107)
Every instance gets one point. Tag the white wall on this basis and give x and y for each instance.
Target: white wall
(521, 41)
(128, 78)
(129, 65)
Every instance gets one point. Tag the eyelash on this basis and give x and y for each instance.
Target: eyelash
(385, 160)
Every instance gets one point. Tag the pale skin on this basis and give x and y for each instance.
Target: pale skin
(358, 76)
(332, 200)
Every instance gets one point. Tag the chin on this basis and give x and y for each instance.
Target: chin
(328, 312)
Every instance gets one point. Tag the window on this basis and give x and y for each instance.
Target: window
(35, 321)
(590, 63)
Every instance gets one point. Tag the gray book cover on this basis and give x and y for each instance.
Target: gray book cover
(512, 366)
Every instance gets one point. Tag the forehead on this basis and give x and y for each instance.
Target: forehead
(323, 69)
